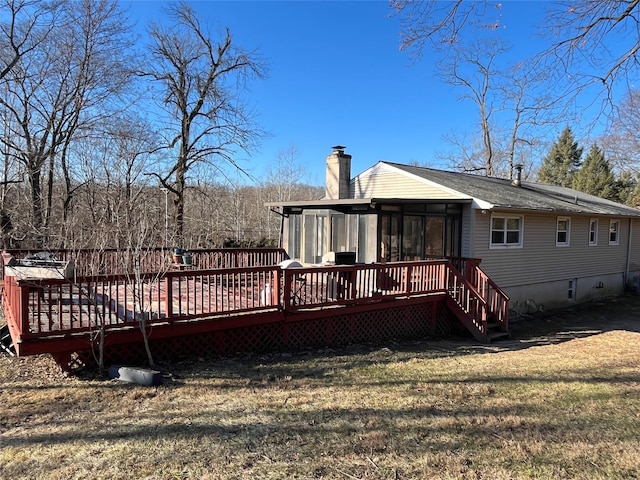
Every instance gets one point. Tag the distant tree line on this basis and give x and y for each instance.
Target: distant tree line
(216, 216)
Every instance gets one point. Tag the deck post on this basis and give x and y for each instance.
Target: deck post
(275, 291)
(444, 273)
(24, 309)
(286, 286)
(168, 284)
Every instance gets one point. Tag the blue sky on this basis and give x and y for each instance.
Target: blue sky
(336, 76)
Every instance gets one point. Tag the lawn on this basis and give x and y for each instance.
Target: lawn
(561, 400)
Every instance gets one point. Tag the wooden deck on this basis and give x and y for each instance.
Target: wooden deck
(67, 315)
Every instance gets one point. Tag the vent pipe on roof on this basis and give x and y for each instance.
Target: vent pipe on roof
(517, 182)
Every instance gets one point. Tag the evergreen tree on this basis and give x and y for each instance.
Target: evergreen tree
(595, 176)
(562, 161)
(627, 190)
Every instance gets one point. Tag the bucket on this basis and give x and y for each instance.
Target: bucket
(187, 259)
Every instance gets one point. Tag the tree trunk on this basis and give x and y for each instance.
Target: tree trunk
(36, 205)
(49, 206)
(178, 201)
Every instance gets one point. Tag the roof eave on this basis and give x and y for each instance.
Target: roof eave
(328, 203)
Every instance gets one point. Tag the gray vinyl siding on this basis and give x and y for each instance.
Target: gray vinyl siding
(634, 260)
(379, 183)
(468, 221)
(540, 260)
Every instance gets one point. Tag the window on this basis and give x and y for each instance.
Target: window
(295, 235)
(390, 237)
(562, 231)
(506, 231)
(614, 232)
(571, 292)
(315, 235)
(593, 231)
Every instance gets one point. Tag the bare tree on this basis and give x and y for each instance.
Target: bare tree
(284, 181)
(622, 143)
(59, 89)
(436, 24)
(473, 69)
(107, 175)
(440, 25)
(24, 25)
(97, 45)
(592, 45)
(285, 177)
(506, 108)
(507, 96)
(527, 111)
(595, 44)
(199, 86)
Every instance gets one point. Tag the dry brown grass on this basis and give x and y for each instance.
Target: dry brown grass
(446, 410)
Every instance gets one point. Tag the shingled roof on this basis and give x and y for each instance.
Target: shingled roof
(501, 193)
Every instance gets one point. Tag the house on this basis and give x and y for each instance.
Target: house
(544, 245)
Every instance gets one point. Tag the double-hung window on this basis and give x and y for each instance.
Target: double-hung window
(563, 230)
(593, 231)
(614, 232)
(506, 231)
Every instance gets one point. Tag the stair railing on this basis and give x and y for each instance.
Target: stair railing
(469, 300)
(496, 299)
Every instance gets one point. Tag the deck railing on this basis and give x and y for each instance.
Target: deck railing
(203, 293)
(497, 300)
(48, 307)
(479, 297)
(52, 306)
(342, 285)
(122, 261)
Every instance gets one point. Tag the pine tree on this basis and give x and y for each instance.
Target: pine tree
(627, 190)
(562, 161)
(595, 176)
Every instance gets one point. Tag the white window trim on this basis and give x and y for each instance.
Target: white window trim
(593, 221)
(617, 240)
(568, 231)
(506, 245)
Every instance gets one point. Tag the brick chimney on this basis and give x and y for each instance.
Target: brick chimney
(338, 174)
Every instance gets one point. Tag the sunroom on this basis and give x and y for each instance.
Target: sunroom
(373, 230)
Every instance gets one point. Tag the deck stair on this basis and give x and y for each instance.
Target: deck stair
(6, 344)
(494, 332)
(474, 304)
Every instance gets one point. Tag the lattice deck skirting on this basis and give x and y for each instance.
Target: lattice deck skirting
(328, 328)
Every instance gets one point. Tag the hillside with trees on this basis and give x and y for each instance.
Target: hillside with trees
(111, 138)
(86, 165)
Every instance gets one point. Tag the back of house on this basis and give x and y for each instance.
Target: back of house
(546, 246)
